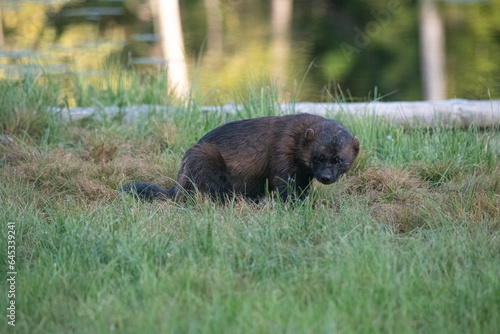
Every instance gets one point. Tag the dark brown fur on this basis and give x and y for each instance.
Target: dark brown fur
(282, 153)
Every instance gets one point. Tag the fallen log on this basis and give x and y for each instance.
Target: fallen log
(456, 112)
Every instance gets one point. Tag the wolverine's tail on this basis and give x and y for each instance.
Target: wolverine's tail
(148, 191)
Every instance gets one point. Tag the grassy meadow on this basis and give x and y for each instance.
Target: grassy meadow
(408, 242)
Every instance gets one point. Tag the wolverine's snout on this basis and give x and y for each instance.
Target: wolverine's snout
(326, 177)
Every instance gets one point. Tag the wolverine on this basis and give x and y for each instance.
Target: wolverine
(278, 154)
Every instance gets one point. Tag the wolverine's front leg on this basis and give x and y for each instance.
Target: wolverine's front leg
(290, 187)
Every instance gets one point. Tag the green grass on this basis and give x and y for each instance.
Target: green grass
(407, 243)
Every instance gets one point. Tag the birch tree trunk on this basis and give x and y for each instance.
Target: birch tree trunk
(1, 27)
(169, 17)
(281, 19)
(432, 52)
(215, 29)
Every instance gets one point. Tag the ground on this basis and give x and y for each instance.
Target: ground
(407, 242)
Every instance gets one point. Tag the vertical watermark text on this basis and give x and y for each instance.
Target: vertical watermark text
(11, 273)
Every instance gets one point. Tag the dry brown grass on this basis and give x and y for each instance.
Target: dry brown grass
(403, 217)
(437, 172)
(396, 196)
(166, 135)
(88, 175)
(12, 153)
(387, 184)
(408, 198)
(473, 197)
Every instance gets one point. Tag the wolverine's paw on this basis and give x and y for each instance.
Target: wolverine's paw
(145, 191)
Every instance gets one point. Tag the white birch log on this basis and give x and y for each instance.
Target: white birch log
(447, 113)
(455, 112)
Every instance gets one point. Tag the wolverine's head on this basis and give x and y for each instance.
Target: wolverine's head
(333, 150)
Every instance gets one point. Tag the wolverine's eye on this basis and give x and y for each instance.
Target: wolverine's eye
(336, 160)
(320, 158)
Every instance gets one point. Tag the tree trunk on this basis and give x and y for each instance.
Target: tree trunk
(169, 17)
(1, 28)
(215, 29)
(281, 19)
(432, 52)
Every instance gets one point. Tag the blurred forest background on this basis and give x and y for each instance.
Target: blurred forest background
(362, 49)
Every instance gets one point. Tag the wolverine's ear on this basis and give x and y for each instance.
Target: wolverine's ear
(355, 144)
(310, 134)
